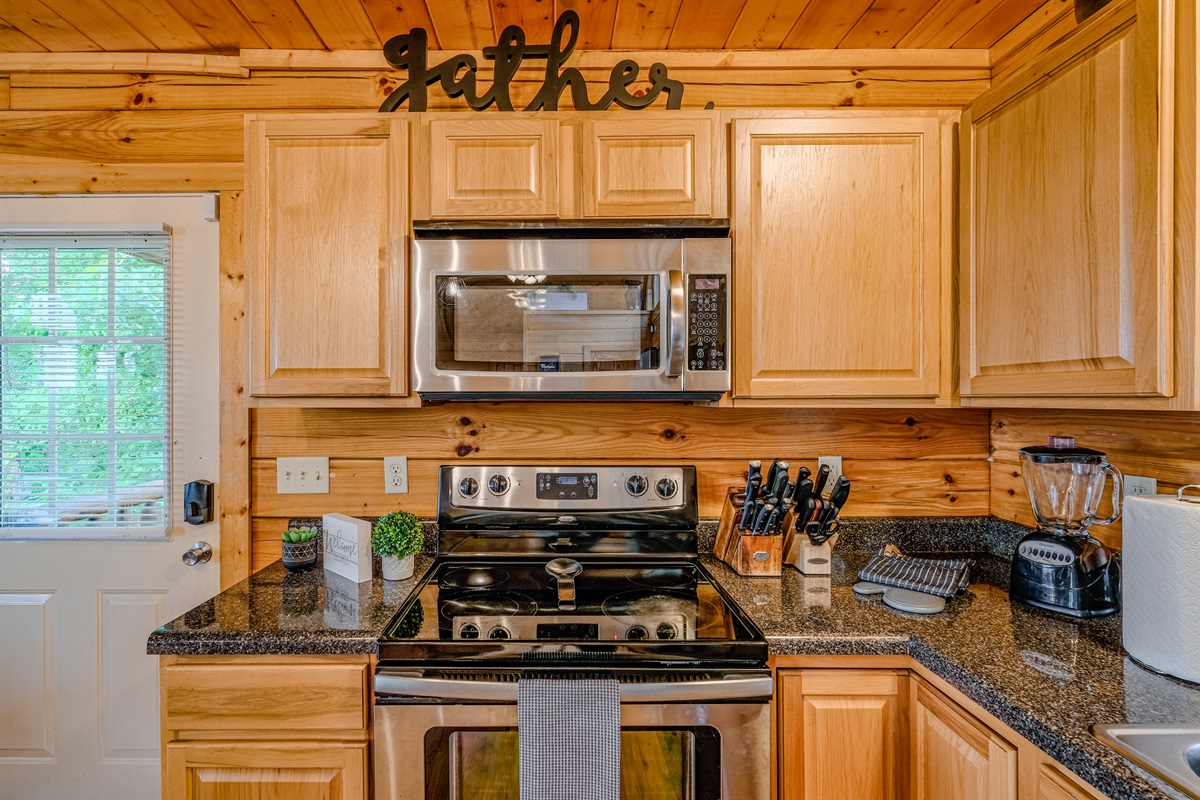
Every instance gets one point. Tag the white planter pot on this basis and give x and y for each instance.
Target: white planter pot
(397, 569)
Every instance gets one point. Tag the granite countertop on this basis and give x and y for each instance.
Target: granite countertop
(1047, 676)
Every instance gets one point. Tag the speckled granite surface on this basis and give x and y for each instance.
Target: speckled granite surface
(1045, 675)
(277, 612)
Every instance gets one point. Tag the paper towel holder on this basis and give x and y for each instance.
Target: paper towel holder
(1179, 495)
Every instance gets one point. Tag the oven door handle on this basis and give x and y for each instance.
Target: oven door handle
(399, 684)
(677, 326)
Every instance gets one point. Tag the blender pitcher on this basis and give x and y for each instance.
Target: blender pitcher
(1065, 485)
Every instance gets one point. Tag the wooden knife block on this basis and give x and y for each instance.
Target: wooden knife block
(747, 555)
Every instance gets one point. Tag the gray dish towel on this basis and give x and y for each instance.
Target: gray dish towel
(569, 736)
(944, 577)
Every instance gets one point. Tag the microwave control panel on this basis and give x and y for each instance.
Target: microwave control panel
(708, 304)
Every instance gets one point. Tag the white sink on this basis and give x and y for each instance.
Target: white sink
(1172, 752)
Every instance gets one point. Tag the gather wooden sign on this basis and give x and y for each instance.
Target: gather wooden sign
(457, 74)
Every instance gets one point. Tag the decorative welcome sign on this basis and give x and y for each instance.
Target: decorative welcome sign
(347, 546)
(457, 74)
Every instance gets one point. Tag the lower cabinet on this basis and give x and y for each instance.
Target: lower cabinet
(265, 727)
(858, 733)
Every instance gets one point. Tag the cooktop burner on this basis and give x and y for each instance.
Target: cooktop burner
(488, 603)
(474, 577)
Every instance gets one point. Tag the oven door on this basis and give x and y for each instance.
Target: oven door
(444, 739)
(496, 318)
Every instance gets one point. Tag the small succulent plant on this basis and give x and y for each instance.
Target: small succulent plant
(297, 535)
(397, 534)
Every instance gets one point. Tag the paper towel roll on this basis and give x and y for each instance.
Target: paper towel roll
(1160, 551)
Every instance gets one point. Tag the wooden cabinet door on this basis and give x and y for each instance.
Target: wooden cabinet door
(493, 168)
(1066, 264)
(839, 734)
(262, 771)
(325, 249)
(838, 264)
(660, 166)
(956, 755)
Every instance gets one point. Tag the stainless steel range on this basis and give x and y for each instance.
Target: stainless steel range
(571, 572)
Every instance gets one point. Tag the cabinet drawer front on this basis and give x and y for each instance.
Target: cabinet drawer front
(266, 697)
(257, 771)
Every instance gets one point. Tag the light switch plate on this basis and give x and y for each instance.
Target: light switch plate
(395, 474)
(308, 475)
(1137, 484)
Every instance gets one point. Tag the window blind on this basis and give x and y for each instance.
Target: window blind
(84, 385)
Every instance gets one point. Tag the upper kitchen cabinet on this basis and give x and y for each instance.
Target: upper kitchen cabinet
(568, 165)
(505, 167)
(841, 258)
(325, 250)
(1076, 290)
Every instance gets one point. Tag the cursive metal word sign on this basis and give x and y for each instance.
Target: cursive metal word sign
(457, 74)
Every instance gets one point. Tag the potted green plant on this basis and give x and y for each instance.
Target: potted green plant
(396, 538)
(300, 548)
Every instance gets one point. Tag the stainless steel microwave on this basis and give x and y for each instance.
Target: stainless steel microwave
(568, 318)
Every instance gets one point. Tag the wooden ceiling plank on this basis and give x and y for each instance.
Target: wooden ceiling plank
(341, 24)
(596, 21)
(102, 25)
(825, 24)
(997, 23)
(167, 63)
(644, 24)
(947, 22)
(398, 17)
(1047, 15)
(704, 24)
(13, 41)
(535, 17)
(159, 22)
(462, 24)
(764, 24)
(221, 23)
(281, 23)
(885, 23)
(40, 23)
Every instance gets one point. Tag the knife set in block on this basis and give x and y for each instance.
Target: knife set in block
(745, 552)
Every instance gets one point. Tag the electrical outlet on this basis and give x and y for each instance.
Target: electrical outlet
(835, 469)
(1136, 484)
(395, 475)
(302, 475)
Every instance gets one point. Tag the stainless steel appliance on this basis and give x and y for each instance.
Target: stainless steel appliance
(505, 318)
(1060, 567)
(571, 572)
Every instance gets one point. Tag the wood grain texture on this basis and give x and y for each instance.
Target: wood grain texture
(20, 174)
(163, 63)
(956, 755)
(1161, 445)
(124, 136)
(491, 167)
(265, 771)
(233, 487)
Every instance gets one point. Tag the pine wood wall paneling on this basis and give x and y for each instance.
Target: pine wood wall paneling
(29, 174)
(124, 136)
(1162, 445)
(883, 25)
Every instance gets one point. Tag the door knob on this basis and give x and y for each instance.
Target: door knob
(198, 553)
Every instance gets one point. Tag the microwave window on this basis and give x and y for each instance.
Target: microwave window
(546, 323)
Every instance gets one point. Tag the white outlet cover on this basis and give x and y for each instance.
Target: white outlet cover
(835, 470)
(1139, 485)
(309, 475)
(395, 475)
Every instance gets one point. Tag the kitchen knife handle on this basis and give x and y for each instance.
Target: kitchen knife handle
(822, 477)
(747, 518)
(677, 325)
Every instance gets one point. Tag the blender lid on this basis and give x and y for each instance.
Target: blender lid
(1062, 449)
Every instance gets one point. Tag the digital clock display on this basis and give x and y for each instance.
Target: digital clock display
(568, 480)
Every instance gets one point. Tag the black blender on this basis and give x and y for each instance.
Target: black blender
(1060, 567)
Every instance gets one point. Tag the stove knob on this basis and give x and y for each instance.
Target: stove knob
(666, 488)
(498, 484)
(468, 631)
(468, 487)
(637, 632)
(666, 631)
(637, 485)
(499, 632)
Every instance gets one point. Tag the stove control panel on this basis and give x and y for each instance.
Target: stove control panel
(537, 488)
(664, 625)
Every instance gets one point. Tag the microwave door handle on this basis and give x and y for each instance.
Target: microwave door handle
(677, 325)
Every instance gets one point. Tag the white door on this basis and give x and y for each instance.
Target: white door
(79, 713)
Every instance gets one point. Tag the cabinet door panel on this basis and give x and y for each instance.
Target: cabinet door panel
(1066, 292)
(957, 756)
(838, 258)
(326, 256)
(254, 771)
(648, 167)
(501, 168)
